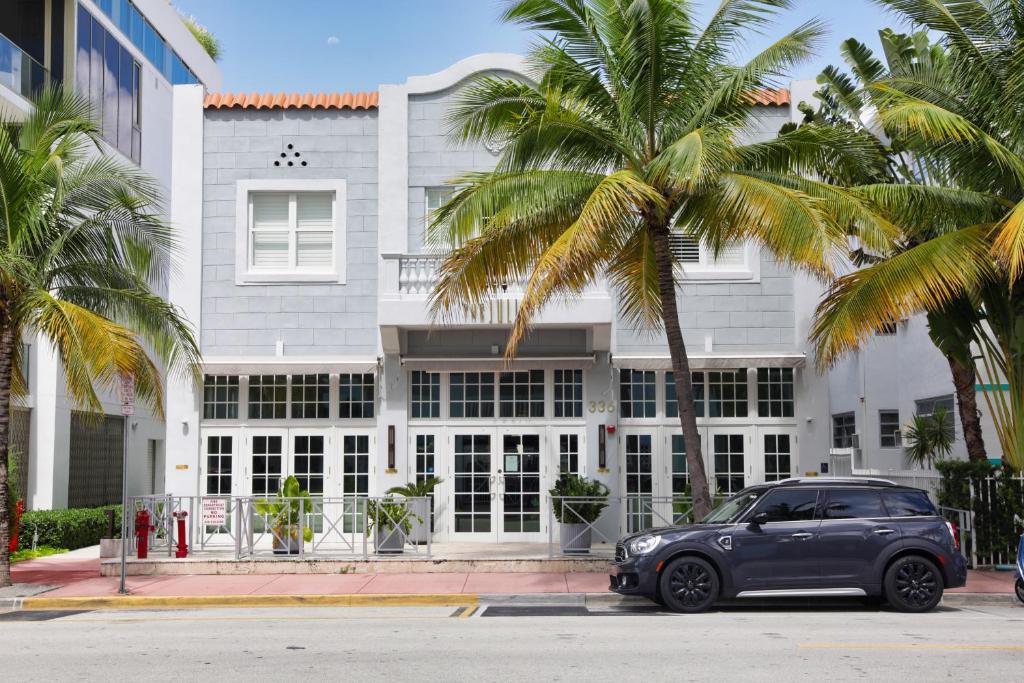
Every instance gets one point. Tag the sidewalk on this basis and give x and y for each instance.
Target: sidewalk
(77, 575)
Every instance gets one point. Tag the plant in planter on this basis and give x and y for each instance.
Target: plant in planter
(390, 520)
(422, 508)
(282, 514)
(577, 502)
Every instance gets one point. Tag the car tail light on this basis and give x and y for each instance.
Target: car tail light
(954, 533)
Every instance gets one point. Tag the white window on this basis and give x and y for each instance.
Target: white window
(290, 231)
(435, 198)
(698, 260)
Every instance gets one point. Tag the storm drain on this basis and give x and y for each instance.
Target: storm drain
(536, 611)
(40, 614)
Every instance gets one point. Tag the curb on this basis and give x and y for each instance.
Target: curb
(120, 602)
(205, 601)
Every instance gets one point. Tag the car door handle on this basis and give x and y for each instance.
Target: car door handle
(802, 535)
(883, 532)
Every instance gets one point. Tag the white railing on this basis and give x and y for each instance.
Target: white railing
(918, 479)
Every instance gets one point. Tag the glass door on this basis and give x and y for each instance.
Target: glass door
(521, 494)
(220, 466)
(569, 453)
(425, 462)
(355, 477)
(638, 479)
(778, 458)
(676, 494)
(266, 463)
(731, 463)
(309, 466)
(474, 486)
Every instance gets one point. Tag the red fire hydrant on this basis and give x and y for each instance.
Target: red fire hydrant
(19, 509)
(142, 531)
(182, 550)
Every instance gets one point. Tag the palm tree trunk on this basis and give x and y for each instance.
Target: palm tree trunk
(681, 373)
(964, 379)
(6, 357)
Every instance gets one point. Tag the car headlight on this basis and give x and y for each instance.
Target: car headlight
(644, 545)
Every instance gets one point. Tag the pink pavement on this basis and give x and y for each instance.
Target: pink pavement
(80, 578)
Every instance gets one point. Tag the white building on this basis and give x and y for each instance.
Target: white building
(322, 361)
(126, 55)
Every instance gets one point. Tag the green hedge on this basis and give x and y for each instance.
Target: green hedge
(73, 528)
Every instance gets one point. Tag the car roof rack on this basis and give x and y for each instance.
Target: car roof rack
(839, 481)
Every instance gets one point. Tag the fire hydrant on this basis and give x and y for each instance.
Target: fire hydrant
(142, 531)
(182, 550)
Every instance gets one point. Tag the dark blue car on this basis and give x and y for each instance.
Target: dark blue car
(799, 538)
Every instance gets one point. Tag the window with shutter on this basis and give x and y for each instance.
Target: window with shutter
(696, 257)
(291, 231)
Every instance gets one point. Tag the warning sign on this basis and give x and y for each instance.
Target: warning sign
(215, 511)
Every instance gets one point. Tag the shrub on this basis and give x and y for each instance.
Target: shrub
(72, 528)
(593, 493)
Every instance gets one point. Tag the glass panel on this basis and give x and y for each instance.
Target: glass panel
(219, 452)
(267, 464)
(777, 454)
(730, 470)
(568, 454)
(522, 498)
(637, 393)
(472, 483)
(639, 482)
(568, 388)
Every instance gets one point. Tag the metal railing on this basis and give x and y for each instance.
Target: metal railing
(575, 522)
(278, 528)
(19, 71)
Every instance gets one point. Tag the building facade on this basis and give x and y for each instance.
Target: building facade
(126, 56)
(309, 277)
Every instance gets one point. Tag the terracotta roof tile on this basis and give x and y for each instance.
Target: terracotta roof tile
(777, 98)
(336, 100)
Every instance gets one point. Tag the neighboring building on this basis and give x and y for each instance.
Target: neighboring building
(322, 360)
(126, 56)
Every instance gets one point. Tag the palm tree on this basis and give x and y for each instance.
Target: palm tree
(964, 124)
(83, 253)
(631, 128)
(845, 101)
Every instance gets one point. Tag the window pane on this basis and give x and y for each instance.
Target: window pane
(788, 506)
(854, 505)
(908, 504)
(314, 250)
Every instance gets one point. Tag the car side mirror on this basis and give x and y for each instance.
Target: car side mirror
(759, 519)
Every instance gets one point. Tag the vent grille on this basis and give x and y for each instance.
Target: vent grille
(685, 249)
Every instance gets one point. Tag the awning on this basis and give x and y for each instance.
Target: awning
(496, 363)
(715, 361)
(287, 365)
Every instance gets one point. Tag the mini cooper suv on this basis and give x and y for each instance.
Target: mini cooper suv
(802, 537)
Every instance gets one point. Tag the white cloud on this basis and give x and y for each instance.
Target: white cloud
(333, 40)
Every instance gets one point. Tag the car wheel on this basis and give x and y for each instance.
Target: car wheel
(689, 585)
(913, 584)
(1019, 588)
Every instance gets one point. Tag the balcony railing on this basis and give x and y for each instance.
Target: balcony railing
(18, 71)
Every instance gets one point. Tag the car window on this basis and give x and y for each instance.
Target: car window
(729, 511)
(854, 504)
(908, 504)
(788, 505)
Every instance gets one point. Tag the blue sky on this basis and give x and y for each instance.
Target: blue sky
(311, 45)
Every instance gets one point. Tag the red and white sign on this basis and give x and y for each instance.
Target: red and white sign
(127, 395)
(215, 511)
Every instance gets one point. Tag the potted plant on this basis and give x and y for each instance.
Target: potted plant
(422, 525)
(390, 521)
(282, 514)
(587, 499)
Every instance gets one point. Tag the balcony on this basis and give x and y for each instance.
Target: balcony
(408, 280)
(19, 72)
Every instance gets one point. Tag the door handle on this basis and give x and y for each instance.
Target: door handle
(883, 532)
(802, 535)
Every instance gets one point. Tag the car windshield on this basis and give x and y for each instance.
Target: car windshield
(731, 508)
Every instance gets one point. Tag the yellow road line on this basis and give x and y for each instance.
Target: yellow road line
(911, 646)
(467, 612)
(197, 601)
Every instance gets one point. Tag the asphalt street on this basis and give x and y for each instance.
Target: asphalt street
(506, 643)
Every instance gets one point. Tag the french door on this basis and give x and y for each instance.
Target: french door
(778, 456)
(499, 480)
(733, 465)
